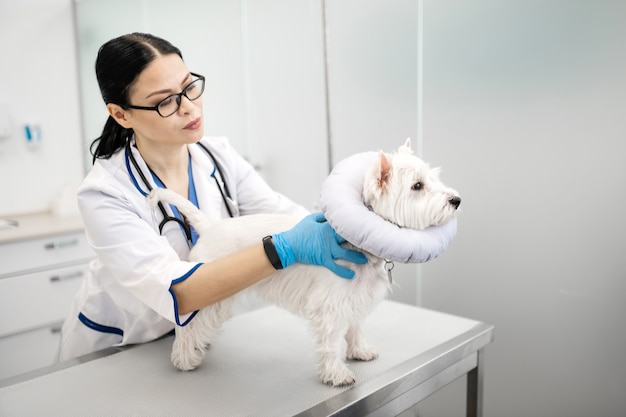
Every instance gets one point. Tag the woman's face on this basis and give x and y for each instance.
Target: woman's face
(164, 76)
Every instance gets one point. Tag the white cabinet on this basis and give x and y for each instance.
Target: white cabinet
(41, 269)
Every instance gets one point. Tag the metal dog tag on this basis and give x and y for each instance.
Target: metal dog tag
(389, 267)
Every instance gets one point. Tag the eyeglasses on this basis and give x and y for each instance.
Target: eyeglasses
(170, 104)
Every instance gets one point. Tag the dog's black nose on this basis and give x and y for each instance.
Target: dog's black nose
(455, 201)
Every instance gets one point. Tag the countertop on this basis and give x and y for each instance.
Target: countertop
(35, 225)
(261, 364)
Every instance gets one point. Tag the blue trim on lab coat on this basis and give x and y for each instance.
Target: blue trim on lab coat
(99, 327)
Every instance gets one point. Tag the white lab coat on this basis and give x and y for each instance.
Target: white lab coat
(126, 297)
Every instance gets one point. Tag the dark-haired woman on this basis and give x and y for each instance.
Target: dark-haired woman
(140, 285)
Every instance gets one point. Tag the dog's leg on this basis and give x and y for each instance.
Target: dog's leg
(358, 348)
(192, 340)
(331, 348)
(186, 353)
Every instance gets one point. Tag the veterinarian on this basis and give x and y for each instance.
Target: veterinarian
(140, 285)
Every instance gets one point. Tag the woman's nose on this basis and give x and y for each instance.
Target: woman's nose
(187, 105)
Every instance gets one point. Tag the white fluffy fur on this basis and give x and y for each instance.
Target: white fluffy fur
(335, 307)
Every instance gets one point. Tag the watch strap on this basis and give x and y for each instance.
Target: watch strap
(272, 254)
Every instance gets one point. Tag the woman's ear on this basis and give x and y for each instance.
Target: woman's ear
(119, 114)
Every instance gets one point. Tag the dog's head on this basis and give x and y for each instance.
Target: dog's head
(404, 190)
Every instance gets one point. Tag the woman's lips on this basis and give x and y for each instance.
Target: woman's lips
(194, 124)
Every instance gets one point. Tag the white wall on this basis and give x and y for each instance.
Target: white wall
(38, 85)
(524, 109)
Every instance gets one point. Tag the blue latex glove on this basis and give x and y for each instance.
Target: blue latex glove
(313, 241)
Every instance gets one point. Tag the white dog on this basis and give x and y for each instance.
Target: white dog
(400, 187)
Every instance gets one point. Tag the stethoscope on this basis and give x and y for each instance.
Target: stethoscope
(224, 192)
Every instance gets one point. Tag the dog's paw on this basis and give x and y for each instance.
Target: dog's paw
(367, 353)
(187, 362)
(339, 378)
(187, 357)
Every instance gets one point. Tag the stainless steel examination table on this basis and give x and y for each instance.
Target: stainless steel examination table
(263, 364)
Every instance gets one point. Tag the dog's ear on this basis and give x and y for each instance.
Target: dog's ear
(384, 170)
(406, 148)
(433, 174)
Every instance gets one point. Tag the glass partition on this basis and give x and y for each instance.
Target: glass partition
(208, 32)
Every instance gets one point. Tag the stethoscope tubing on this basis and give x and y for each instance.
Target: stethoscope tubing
(223, 192)
(166, 218)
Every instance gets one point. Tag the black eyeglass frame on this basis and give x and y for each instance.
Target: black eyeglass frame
(179, 97)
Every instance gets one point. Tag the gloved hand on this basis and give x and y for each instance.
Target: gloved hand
(313, 241)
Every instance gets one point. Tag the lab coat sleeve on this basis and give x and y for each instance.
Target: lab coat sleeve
(136, 263)
(252, 193)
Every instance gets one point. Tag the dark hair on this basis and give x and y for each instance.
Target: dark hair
(119, 63)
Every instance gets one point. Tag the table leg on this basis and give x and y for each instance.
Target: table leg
(475, 388)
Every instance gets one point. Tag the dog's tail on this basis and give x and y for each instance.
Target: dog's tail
(195, 217)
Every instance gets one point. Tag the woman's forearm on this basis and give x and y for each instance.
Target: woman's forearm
(222, 278)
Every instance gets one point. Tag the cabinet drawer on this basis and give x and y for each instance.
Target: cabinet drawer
(28, 351)
(21, 256)
(37, 299)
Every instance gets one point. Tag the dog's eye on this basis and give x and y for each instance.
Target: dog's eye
(417, 186)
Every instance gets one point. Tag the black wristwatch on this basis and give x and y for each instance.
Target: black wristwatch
(270, 251)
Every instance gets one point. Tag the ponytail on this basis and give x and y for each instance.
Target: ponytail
(113, 138)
